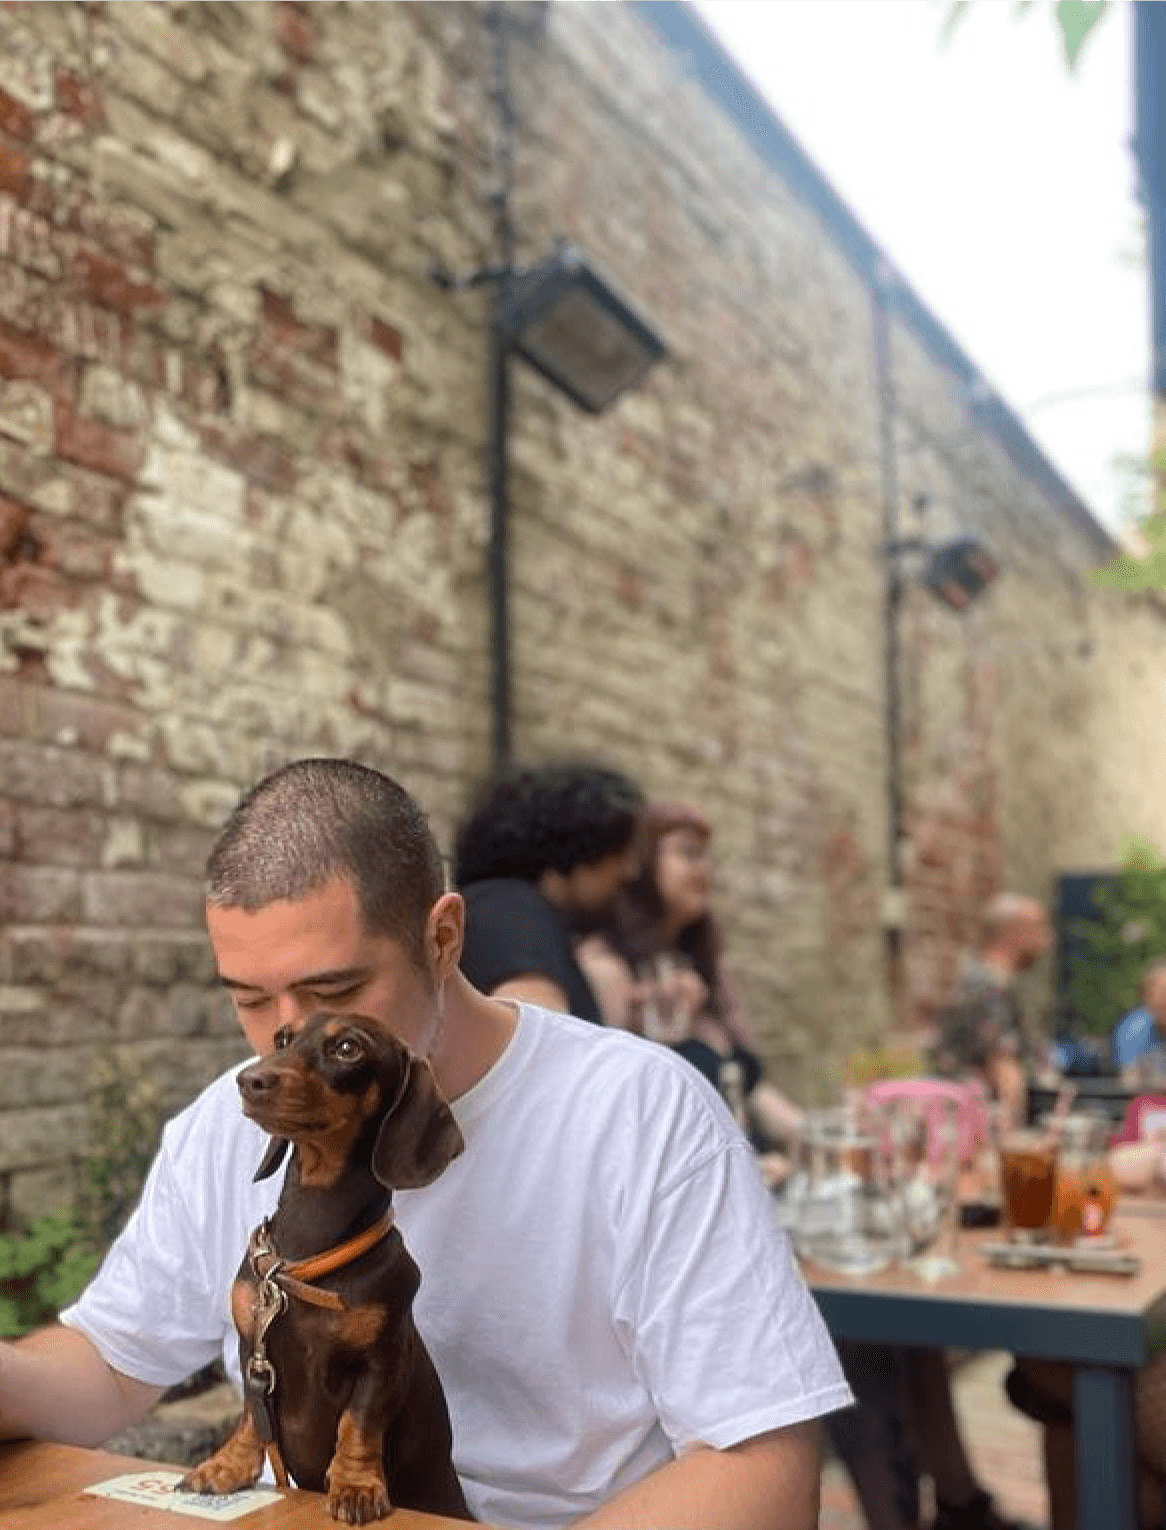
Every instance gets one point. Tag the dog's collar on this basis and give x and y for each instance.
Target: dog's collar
(296, 1279)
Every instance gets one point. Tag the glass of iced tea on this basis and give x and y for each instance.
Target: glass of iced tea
(1028, 1177)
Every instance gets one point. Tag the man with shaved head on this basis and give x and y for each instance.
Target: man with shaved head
(981, 1031)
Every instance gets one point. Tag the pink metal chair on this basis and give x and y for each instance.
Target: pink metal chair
(934, 1094)
(1139, 1119)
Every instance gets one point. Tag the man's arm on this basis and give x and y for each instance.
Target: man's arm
(55, 1385)
(770, 1482)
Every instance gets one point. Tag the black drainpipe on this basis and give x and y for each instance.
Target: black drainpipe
(893, 588)
(497, 464)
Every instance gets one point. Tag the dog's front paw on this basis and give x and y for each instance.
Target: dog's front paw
(359, 1500)
(237, 1465)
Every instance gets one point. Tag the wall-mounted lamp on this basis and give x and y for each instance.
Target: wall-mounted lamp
(571, 325)
(958, 572)
(567, 322)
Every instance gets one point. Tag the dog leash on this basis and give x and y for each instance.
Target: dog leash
(277, 1281)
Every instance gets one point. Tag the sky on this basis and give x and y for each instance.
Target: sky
(1002, 188)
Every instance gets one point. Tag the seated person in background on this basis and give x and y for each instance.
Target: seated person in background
(538, 859)
(1137, 1045)
(980, 1031)
(658, 968)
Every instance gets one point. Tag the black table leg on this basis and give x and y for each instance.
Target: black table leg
(1104, 1431)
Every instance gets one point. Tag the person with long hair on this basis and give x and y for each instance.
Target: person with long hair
(659, 968)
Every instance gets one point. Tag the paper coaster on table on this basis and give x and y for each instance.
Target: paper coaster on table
(157, 1490)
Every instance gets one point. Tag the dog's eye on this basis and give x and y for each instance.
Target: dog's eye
(346, 1049)
(283, 1037)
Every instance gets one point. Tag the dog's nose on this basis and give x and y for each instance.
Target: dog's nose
(257, 1081)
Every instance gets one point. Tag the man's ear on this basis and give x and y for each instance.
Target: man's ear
(419, 1136)
(444, 935)
(276, 1149)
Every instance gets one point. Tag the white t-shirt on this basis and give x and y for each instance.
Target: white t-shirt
(603, 1282)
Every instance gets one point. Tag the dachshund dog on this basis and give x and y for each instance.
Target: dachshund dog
(339, 1389)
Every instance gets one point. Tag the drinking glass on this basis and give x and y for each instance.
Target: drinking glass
(844, 1213)
(1084, 1193)
(663, 1018)
(1028, 1170)
(923, 1131)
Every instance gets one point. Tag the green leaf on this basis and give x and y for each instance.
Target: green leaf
(11, 1323)
(1077, 19)
(1125, 572)
(1140, 855)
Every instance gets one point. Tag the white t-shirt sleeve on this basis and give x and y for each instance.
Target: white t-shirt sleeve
(159, 1307)
(721, 1327)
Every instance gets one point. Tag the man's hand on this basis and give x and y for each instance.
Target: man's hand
(771, 1482)
(54, 1385)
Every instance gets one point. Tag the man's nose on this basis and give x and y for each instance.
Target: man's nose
(292, 1009)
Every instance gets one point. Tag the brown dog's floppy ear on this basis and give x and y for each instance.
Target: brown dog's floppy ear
(276, 1149)
(419, 1136)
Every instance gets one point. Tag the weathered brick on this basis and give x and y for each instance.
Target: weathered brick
(29, 1077)
(90, 444)
(34, 1193)
(15, 118)
(105, 279)
(294, 30)
(15, 168)
(39, 895)
(57, 777)
(77, 97)
(75, 720)
(140, 899)
(59, 836)
(43, 1135)
(30, 359)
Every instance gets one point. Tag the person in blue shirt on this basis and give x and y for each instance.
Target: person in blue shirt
(1137, 1042)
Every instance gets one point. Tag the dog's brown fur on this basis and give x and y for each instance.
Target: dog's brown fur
(358, 1405)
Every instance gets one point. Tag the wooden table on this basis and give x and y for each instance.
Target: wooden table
(42, 1486)
(1104, 1326)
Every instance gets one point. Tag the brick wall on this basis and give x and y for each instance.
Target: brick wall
(243, 518)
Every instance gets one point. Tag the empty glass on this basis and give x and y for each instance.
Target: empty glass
(844, 1213)
(928, 1180)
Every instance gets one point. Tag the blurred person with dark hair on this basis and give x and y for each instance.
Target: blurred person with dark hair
(538, 859)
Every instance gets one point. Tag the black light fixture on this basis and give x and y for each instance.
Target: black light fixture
(568, 323)
(958, 572)
(571, 325)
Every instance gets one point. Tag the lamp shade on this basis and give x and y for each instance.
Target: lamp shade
(959, 571)
(569, 324)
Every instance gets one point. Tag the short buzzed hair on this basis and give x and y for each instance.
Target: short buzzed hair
(1005, 909)
(315, 820)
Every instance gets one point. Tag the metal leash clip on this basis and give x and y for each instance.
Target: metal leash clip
(260, 1377)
